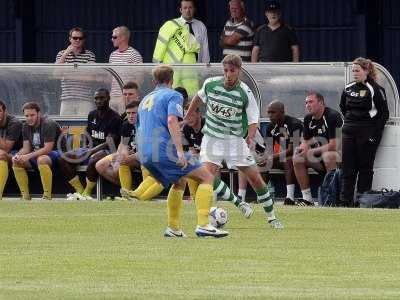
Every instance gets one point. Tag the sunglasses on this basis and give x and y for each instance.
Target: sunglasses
(114, 37)
(77, 38)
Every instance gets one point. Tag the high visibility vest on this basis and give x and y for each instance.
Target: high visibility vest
(175, 44)
(187, 78)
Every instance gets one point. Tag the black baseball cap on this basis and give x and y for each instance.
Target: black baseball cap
(272, 5)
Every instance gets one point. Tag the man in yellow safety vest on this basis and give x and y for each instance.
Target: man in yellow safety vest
(177, 44)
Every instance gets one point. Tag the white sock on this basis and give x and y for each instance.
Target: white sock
(307, 194)
(290, 191)
(242, 194)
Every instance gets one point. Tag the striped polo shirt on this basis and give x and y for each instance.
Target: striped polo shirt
(129, 56)
(244, 47)
(71, 88)
(228, 112)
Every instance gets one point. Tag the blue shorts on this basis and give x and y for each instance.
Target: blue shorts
(54, 155)
(167, 171)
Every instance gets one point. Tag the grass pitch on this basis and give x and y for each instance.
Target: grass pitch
(115, 250)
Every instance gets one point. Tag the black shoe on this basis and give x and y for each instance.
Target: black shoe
(303, 202)
(289, 201)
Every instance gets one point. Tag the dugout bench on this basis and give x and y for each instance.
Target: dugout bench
(287, 82)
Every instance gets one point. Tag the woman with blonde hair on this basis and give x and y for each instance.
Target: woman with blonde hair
(364, 107)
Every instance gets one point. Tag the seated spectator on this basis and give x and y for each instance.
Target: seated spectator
(284, 131)
(103, 128)
(75, 93)
(319, 149)
(275, 41)
(10, 142)
(238, 33)
(40, 138)
(124, 54)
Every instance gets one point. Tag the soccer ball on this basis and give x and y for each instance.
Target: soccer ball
(218, 217)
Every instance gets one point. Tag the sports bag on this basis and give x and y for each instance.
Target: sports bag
(379, 199)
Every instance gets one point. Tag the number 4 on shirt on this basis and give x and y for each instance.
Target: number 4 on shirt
(148, 103)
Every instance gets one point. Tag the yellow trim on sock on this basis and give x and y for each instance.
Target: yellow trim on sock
(174, 205)
(125, 177)
(22, 180)
(46, 176)
(76, 184)
(204, 196)
(3, 176)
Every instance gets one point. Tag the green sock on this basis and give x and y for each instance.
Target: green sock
(265, 199)
(224, 192)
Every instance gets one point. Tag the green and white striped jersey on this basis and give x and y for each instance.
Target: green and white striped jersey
(228, 112)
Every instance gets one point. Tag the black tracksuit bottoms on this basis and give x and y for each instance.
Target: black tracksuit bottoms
(358, 156)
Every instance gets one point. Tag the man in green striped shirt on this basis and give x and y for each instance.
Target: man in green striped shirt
(232, 115)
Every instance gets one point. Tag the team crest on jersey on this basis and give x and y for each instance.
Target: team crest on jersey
(222, 111)
(363, 93)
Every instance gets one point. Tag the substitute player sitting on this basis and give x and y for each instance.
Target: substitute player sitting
(109, 166)
(231, 111)
(39, 150)
(282, 133)
(103, 129)
(10, 142)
